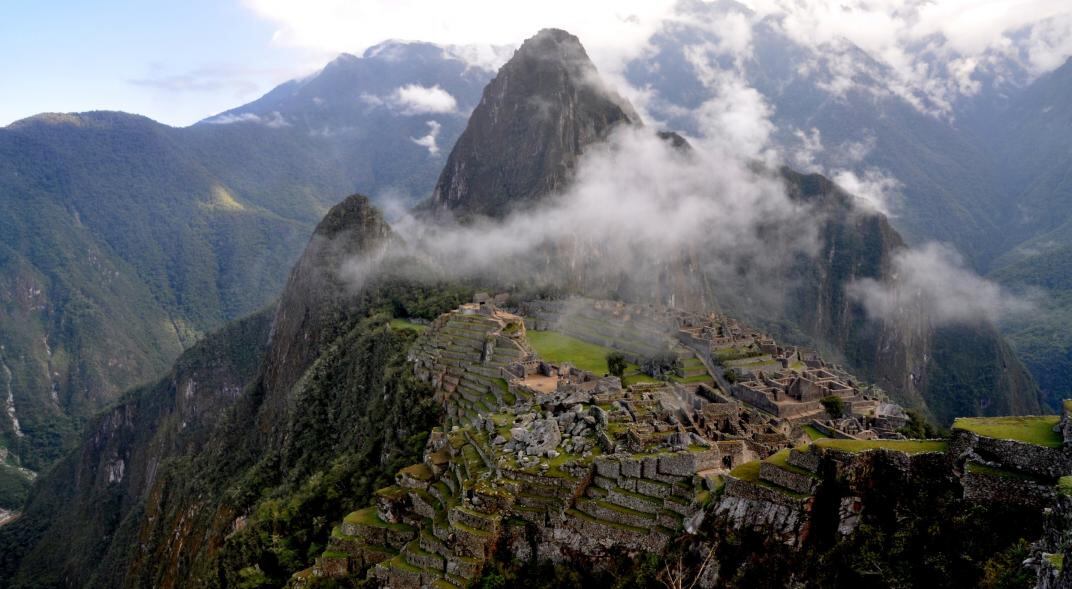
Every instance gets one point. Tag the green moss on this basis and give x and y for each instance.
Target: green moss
(334, 554)
(398, 563)
(1064, 485)
(1057, 561)
(906, 446)
(1036, 429)
(419, 471)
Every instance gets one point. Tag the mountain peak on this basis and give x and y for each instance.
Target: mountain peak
(533, 122)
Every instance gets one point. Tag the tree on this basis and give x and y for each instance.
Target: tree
(662, 365)
(834, 406)
(616, 364)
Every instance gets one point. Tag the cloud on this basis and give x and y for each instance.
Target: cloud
(416, 99)
(874, 189)
(429, 140)
(612, 31)
(934, 52)
(932, 281)
(636, 209)
(273, 120)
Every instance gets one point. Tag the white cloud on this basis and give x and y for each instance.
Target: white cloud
(934, 282)
(611, 30)
(273, 120)
(429, 140)
(416, 99)
(636, 207)
(874, 189)
(737, 116)
(932, 48)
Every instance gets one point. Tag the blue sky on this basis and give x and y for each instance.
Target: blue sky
(176, 62)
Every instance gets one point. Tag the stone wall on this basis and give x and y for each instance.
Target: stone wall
(1012, 454)
(1011, 490)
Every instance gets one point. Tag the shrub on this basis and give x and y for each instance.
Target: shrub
(834, 406)
(616, 364)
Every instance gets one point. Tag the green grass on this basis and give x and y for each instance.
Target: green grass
(906, 446)
(636, 377)
(1064, 485)
(399, 324)
(976, 468)
(419, 471)
(749, 471)
(1057, 561)
(781, 460)
(813, 433)
(369, 517)
(556, 347)
(1036, 429)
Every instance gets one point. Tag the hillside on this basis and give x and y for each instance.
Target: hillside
(125, 240)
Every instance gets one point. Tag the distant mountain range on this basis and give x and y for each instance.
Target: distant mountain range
(123, 241)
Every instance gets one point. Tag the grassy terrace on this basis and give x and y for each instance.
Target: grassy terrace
(557, 347)
(369, 517)
(781, 460)
(1036, 429)
(813, 434)
(398, 324)
(906, 446)
(749, 472)
(976, 468)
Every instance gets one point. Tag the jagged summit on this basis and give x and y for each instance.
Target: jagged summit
(524, 138)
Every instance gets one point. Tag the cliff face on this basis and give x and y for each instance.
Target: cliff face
(84, 514)
(877, 518)
(535, 119)
(951, 370)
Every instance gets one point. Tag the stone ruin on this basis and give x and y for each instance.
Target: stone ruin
(531, 448)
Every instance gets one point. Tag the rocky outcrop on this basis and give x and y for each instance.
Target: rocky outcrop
(533, 123)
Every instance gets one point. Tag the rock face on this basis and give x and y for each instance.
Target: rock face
(532, 124)
(952, 370)
(317, 295)
(101, 491)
